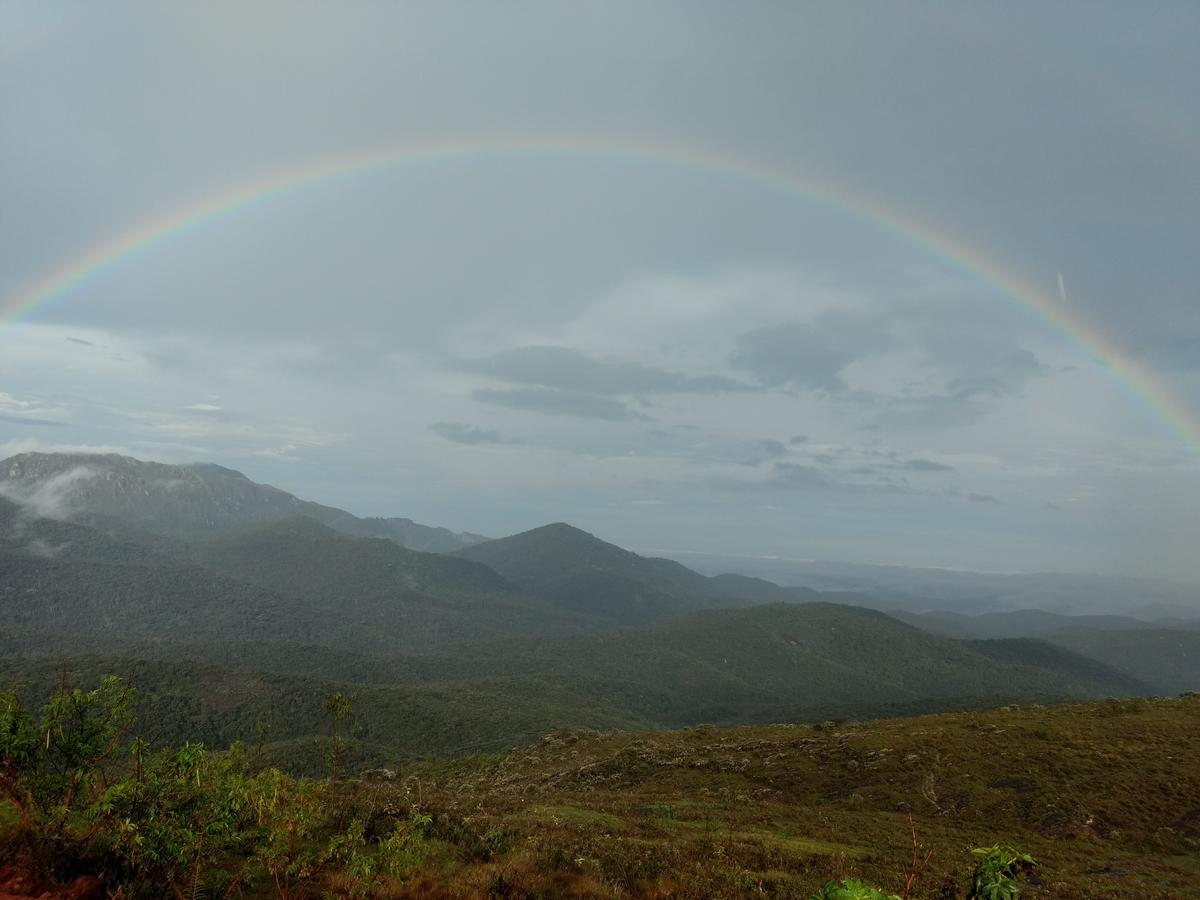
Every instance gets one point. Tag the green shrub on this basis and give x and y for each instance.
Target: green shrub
(185, 819)
(51, 766)
(997, 874)
(851, 889)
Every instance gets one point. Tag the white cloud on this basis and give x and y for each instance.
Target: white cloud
(50, 499)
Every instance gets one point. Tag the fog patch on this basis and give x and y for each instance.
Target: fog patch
(49, 499)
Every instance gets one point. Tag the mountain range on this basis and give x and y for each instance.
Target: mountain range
(232, 603)
(185, 501)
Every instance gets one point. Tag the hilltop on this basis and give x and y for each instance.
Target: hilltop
(184, 501)
(576, 570)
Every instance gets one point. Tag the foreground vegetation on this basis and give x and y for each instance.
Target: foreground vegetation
(1104, 796)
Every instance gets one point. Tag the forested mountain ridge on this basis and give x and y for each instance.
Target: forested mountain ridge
(1167, 658)
(184, 501)
(801, 662)
(576, 570)
(545, 629)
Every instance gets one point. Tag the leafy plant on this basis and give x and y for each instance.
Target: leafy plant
(338, 707)
(52, 767)
(997, 874)
(289, 812)
(851, 889)
(182, 817)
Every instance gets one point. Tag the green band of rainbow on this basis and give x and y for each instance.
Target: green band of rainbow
(74, 272)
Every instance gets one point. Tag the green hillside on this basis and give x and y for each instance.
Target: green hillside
(784, 662)
(577, 571)
(1167, 658)
(794, 662)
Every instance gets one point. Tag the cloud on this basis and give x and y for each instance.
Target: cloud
(799, 354)
(558, 403)
(963, 399)
(773, 447)
(29, 412)
(50, 499)
(45, 550)
(795, 475)
(471, 435)
(982, 498)
(284, 453)
(922, 465)
(30, 445)
(571, 370)
(29, 420)
(75, 340)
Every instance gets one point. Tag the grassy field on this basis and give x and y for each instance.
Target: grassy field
(1105, 796)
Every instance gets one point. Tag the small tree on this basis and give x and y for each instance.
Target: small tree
(53, 768)
(338, 707)
(189, 813)
(290, 812)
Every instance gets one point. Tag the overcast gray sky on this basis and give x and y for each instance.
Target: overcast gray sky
(669, 356)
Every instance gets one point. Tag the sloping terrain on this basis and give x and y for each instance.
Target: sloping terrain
(1166, 659)
(576, 570)
(806, 662)
(786, 662)
(1015, 624)
(183, 502)
(1106, 797)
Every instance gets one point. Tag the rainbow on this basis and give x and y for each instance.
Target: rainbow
(1140, 381)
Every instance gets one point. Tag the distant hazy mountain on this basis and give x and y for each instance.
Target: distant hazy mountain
(1016, 624)
(1165, 658)
(184, 502)
(578, 571)
(925, 589)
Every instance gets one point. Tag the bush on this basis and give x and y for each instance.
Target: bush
(52, 766)
(851, 889)
(997, 874)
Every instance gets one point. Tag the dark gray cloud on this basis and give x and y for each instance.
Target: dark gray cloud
(570, 370)
(796, 476)
(557, 403)
(923, 465)
(75, 340)
(1005, 377)
(773, 447)
(30, 420)
(982, 498)
(799, 354)
(961, 399)
(471, 435)
(788, 477)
